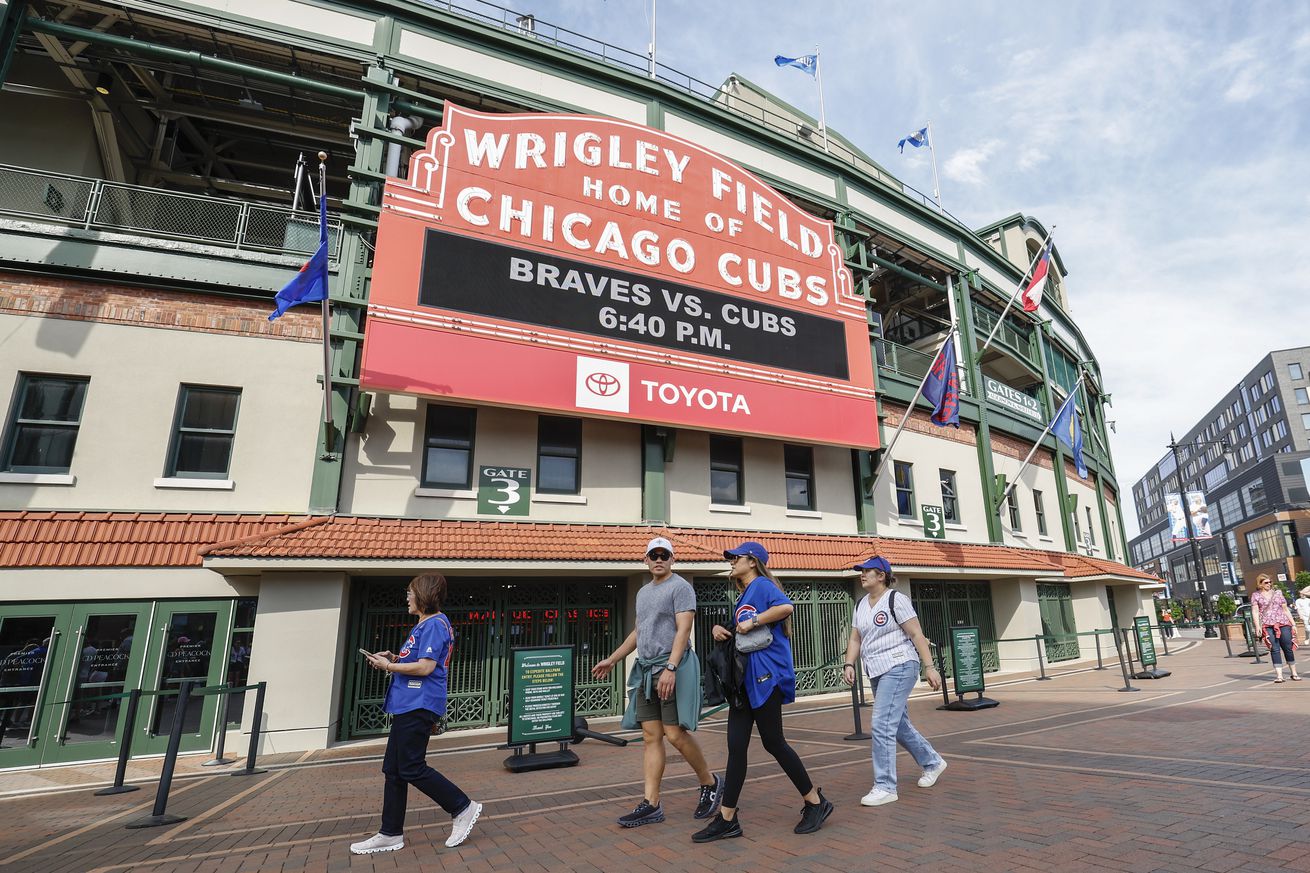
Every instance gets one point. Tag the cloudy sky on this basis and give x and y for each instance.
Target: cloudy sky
(1169, 141)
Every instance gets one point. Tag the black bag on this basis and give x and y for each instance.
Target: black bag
(725, 676)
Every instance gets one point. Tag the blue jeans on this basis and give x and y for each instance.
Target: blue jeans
(1280, 638)
(891, 725)
(405, 764)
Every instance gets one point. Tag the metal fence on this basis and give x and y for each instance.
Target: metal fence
(96, 204)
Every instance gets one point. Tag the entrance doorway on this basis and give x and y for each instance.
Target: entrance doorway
(944, 605)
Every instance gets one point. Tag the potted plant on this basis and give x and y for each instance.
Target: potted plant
(1225, 606)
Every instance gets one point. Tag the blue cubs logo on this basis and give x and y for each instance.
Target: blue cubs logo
(880, 618)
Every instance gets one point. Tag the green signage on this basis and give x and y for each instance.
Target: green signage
(934, 522)
(1145, 645)
(504, 490)
(541, 694)
(966, 659)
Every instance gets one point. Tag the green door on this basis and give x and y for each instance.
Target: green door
(33, 639)
(182, 646)
(1056, 604)
(943, 605)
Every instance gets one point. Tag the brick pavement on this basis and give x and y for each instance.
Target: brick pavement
(1067, 775)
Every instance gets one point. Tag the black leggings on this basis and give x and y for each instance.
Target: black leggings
(768, 720)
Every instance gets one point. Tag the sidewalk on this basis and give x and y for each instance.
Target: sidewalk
(1065, 775)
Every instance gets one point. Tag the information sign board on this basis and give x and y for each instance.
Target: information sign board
(541, 694)
(1145, 645)
(966, 659)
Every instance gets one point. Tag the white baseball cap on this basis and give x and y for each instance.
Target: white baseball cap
(659, 543)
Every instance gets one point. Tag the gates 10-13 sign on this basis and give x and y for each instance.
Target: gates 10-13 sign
(568, 263)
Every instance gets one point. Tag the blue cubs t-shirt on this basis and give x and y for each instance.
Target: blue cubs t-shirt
(433, 639)
(771, 667)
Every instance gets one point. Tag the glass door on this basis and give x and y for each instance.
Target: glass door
(31, 644)
(185, 645)
(103, 657)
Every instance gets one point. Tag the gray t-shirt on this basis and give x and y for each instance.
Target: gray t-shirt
(657, 607)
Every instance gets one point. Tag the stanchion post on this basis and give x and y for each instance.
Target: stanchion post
(224, 698)
(1228, 642)
(941, 671)
(864, 701)
(125, 749)
(1255, 638)
(1100, 664)
(1123, 665)
(855, 706)
(255, 725)
(1041, 662)
(158, 816)
(1164, 640)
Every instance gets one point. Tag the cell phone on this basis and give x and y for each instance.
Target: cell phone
(366, 653)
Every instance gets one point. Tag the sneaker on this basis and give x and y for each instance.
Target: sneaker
(931, 775)
(462, 825)
(710, 798)
(814, 815)
(378, 843)
(718, 829)
(877, 797)
(644, 814)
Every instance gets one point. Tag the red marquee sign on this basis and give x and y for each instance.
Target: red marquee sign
(582, 265)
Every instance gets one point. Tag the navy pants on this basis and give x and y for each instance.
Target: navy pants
(405, 764)
(1280, 638)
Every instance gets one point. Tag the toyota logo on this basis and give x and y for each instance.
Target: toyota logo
(603, 384)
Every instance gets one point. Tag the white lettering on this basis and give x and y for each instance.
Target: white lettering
(529, 145)
(691, 396)
(462, 205)
(489, 148)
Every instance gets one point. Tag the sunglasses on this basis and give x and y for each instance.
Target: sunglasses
(659, 556)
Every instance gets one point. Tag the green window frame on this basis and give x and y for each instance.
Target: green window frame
(904, 476)
(798, 468)
(726, 471)
(204, 432)
(1040, 508)
(1012, 503)
(950, 498)
(44, 423)
(559, 455)
(448, 442)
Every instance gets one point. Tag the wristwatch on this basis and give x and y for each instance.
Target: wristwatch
(671, 666)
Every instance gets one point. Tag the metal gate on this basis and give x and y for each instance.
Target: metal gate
(943, 605)
(820, 626)
(1058, 625)
(489, 617)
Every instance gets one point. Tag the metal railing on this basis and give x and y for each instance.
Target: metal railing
(97, 204)
(901, 360)
(1020, 341)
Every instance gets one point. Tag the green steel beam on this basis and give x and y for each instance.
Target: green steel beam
(973, 366)
(1061, 486)
(11, 25)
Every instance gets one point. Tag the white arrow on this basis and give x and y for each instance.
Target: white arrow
(503, 509)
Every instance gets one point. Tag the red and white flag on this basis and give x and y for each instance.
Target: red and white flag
(1031, 297)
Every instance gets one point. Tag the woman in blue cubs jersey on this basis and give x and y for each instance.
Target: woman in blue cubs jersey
(416, 700)
(770, 677)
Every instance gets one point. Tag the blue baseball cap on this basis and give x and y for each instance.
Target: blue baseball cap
(752, 548)
(875, 563)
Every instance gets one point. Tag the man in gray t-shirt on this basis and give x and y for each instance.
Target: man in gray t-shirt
(666, 607)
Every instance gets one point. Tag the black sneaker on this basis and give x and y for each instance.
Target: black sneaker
(644, 814)
(718, 829)
(814, 815)
(710, 798)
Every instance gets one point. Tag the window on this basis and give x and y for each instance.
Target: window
(1294, 371)
(1216, 477)
(904, 489)
(1275, 405)
(448, 447)
(1305, 420)
(1253, 496)
(559, 455)
(1267, 381)
(1302, 396)
(1041, 512)
(238, 661)
(1230, 506)
(1280, 429)
(725, 471)
(798, 466)
(950, 502)
(1271, 543)
(44, 423)
(1091, 531)
(204, 430)
(1012, 502)
(1267, 438)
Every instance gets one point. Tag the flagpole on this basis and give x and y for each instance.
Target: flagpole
(909, 410)
(936, 186)
(1017, 288)
(652, 37)
(1026, 461)
(823, 121)
(328, 430)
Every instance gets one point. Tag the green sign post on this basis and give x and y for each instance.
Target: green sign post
(934, 522)
(967, 670)
(540, 707)
(1146, 650)
(504, 490)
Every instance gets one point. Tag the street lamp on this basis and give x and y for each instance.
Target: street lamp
(1207, 615)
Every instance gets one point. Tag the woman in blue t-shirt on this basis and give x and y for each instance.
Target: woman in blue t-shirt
(416, 700)
(770, 678)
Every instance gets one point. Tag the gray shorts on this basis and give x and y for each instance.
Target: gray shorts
(655, 709)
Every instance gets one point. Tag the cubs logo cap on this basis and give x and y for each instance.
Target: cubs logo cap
(876, 563)
(750, 547)
(659, 543)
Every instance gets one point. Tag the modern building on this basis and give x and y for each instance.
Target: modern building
(573, 305)
(1248, 459)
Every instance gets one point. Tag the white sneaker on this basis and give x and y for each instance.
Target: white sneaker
(877, 797)
(931, 775)
(463, 824)
(378, 843)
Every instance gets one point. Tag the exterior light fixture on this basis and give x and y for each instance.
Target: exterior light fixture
(104, 84)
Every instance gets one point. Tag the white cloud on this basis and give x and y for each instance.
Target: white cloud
(966, 165)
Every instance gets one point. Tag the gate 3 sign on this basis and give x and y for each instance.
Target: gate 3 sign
(574, 264)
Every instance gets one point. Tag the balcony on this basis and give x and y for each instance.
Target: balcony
(1019, 341)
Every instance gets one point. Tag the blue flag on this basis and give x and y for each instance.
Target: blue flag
(918, 139)
(942, 389)
(809, 63)
(310, 285)
(1068, 431)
